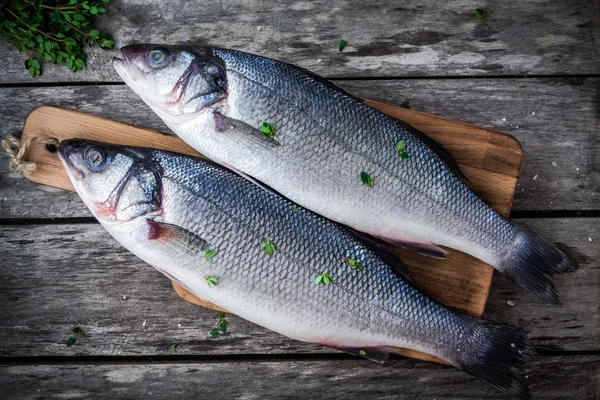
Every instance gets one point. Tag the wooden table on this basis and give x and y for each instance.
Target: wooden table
(530, 68)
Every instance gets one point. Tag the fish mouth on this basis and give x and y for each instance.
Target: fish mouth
(64, 151)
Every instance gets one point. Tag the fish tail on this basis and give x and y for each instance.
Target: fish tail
(532, 261)
(495, 354)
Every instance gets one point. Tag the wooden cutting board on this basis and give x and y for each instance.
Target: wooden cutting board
(490, 160)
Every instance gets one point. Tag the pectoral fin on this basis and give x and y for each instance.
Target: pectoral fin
(242, 133)
(175, 238)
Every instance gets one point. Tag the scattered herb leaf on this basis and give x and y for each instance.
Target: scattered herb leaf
(71, 341)
(354, 264)
(323, 279)
(174, 346)
(78, 332)
(32, 323)
(366, 179)
(480, 13)
(269, 247)
(222, 322)
(211, 280)
(55, 31)
(210, 254)
(213, 333)
(400, 149)
(267, 129)
(295, 208)
(362, 352)
(342, 45)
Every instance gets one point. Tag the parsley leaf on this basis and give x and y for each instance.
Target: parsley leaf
(213, 333)
(400, 149)
(342, 45)
(71, 341)
(210, 254)
(354, 264)
(269, 247)
(174, 346)
(323, 279)
(267, 129)
(366, 179)
(480, 13)
(78, 332)
(211, 280)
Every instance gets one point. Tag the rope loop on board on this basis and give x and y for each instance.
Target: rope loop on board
(17, 152)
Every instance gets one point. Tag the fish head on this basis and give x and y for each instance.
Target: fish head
(118, 184)
(177, 83)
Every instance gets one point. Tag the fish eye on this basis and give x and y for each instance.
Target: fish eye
(157, 56)
(96, 159)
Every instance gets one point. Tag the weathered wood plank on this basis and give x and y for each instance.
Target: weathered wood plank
(427, 38)
(61, 276)
(561, 132)
(574, 377)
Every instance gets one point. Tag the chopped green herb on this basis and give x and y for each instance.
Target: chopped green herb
(354, 264)
(342, 45)
(323, 279)
(32, 323)
(210, 254)
(174, 346)
(267, 129)
(269, 247)
(366, 179)
(213, 333)
(78, 332)
(400, 149)
(362, 352)
(222, 322)
(295, 208)
(211, 280)
(71, 341)
(480, 13)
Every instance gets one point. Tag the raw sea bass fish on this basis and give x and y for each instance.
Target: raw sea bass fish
(329, 152)
(254, 253)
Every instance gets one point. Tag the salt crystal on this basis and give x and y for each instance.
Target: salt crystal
(590, 239)
(554, 163)
(517, 126)
(319, 60)
(124, 297)
(533, 113)
(179, 326)
(259, 28)
(535, 177)
(510, 303)
(144, 324)
(576, 169)
(512, 345)
(503, 119)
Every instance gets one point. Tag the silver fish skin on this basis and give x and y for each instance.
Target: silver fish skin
(170, 210)
(217, 99)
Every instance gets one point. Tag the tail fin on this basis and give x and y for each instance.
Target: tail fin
(533, 261)
(495, 356)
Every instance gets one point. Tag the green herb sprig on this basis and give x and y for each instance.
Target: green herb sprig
(323, 279)
(354, 264)
(53, 30)
(366, 179)
(267, 129)
(211, 280)
(480, 13)
(78, 335)
(210, 254)
(342, 44)
(400, 149)
(269, 247)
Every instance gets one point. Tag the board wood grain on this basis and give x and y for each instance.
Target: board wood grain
(490, 160)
